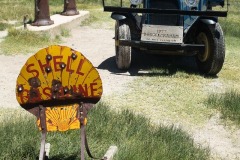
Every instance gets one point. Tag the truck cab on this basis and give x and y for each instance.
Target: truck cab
(170, 27)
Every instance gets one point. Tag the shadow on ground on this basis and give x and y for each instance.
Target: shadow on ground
(142, 63)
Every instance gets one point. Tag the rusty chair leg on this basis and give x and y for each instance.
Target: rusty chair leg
(70, 8)
(42, 17)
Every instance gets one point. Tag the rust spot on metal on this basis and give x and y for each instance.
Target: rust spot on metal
(34, 82)
(56, 89)
(88, 106)
(34, 93)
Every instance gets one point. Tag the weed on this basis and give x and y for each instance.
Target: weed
(4, 26)
(65, 32)
(228, 104)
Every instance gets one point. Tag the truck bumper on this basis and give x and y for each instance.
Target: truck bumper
(182, 49)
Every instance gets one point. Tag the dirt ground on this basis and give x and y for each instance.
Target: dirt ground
(98, 46)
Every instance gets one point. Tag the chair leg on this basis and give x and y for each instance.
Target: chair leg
(82, 141)
(42, 115)
(42, 153)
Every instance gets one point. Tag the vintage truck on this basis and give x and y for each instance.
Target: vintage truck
(170, 27)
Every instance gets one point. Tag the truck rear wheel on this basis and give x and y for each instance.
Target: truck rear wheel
(123, 53)
(211, 60)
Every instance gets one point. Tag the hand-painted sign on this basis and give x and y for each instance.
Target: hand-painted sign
(57, 73)
(59, 78)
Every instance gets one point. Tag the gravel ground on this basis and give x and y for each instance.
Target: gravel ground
(98, 46)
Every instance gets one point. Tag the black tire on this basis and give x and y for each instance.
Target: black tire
(211, 61)
(123, 53)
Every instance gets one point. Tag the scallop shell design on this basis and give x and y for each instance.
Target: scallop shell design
(57, 74)
(61, 118)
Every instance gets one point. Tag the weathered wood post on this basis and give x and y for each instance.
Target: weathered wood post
(42, 16)
(70, 8)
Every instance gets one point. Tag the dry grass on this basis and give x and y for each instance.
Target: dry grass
(177, 99)
(24, 42)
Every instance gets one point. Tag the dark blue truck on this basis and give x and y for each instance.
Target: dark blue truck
(170, 27)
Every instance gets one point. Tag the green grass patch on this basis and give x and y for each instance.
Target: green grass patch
(98, 18)
(135, 137)
(15, 10)
(231, 23)
(24, 41)
(231, 66)
(228, 104)
(4, 26)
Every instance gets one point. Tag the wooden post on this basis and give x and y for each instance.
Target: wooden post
(70, 8)
(42, 16)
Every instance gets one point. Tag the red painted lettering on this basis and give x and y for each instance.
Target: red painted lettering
(42, 66)
(47, 92)
(74, 88)
(68, 69)
(82, 90)
(92, 88)
(61, 92)
(29, 70)
(57, 63)
(80, 65)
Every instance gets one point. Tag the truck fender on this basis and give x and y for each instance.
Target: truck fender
(193, 28)
(208, 21)
(118, 16)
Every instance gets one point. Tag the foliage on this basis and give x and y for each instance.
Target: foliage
(228, 104)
